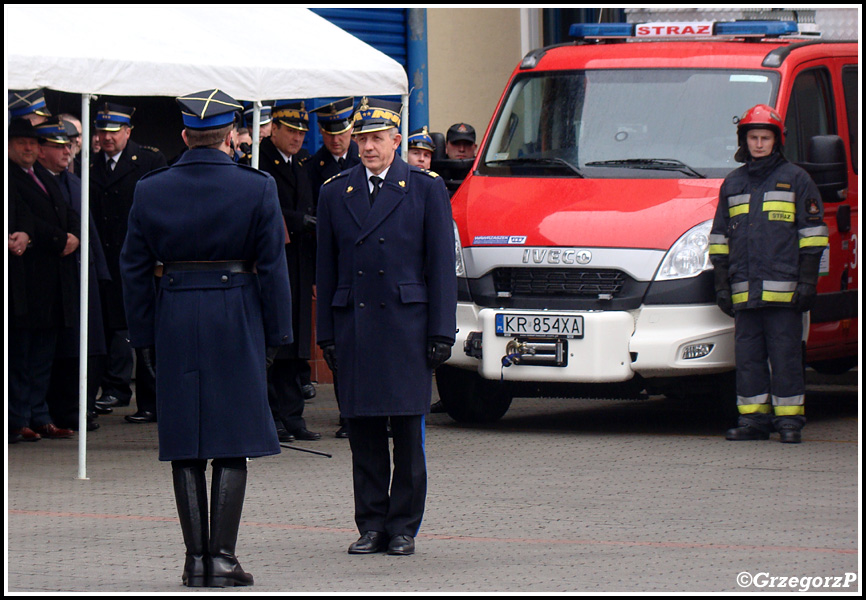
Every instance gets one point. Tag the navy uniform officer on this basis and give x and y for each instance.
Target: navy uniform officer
(766, 244)
(420, 148)
(114, 172)
(223, 298)
(280, 158)
(338, 152)
(387, 295)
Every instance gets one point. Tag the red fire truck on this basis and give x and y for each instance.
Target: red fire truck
(582, 228)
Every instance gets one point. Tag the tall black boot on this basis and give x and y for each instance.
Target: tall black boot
(228, 486)
(190, 492)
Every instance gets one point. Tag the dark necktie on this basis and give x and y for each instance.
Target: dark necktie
(111, 164)
(39, 183)
(376, 181)
(342, 163)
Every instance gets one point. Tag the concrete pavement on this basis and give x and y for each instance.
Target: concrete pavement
(560, 496)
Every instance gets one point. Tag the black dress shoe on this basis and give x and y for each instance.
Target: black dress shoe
(437, 407)
(102, 409)
(745, 433)
(142, 416)
(110, 401)
(304, 434)
(342, 433)
(402, 545)
(284, 436)
(370, 543)
(309, 391)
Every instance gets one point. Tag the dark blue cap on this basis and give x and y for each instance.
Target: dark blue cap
(209, 109)
(336, 117)
(25, 102)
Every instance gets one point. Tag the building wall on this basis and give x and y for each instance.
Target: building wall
(471, 54)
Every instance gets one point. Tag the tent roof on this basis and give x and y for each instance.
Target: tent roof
(171, 50)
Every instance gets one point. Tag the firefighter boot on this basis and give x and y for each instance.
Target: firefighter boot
(228, 486)
(750, 427)
(190, 493)
(789, 428)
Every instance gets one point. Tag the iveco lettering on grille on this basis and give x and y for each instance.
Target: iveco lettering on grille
(556, 256)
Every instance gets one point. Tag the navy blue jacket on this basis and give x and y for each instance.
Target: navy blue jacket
(386, 285)
(210, 328)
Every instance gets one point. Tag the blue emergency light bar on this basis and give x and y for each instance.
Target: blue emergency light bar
(683, 30)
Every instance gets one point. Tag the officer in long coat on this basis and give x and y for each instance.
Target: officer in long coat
(114, 172)
(280, 157)
(338, 153)
(387, 295)
(223, 298)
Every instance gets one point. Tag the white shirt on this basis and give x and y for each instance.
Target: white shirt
(370, 174)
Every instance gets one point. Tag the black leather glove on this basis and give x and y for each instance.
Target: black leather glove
(437, 353)
(309, 223)
(723, 288)
(329, 352)
(723, 299)
(270, 355)
(804, 298)
(148, 357)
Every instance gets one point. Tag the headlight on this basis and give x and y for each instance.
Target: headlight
(689, 256)
(458, 253)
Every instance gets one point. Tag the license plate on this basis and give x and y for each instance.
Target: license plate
(568, 326)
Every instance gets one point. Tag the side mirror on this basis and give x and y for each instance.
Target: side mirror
(828, 166)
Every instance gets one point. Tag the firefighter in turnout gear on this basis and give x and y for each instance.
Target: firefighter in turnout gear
(766, 243)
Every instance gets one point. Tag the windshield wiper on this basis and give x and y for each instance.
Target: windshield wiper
(536, 160)
(660, 164)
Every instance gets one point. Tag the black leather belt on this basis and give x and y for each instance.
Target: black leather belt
(232, 266)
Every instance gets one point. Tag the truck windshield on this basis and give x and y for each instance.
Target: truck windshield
(634, 123)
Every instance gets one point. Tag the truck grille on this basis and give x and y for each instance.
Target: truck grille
(583, 283)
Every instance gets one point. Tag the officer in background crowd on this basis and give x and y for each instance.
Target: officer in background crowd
(265, 119)
(387, 297)
(338, 152)
(227, 261)
(460, 141)
(55, 154)
(114, 172)
(765, 245)
(420, 148)
(280, 158)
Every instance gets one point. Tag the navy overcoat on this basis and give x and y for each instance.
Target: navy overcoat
(386, 284)
(210, 328)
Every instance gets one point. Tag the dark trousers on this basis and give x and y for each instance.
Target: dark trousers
(117, 378)
(771, 383)
(31, 356)
(284, 393)
(145, 385)
(400, 511)
(63, 393)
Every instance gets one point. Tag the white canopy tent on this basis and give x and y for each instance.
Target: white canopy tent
(172, 50)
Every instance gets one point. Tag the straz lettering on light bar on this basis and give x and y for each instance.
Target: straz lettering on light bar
(673, 29)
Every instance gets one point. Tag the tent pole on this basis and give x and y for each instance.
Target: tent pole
(404, 127)
(84, 269)
(257, 111)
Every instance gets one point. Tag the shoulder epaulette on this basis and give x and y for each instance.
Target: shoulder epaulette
(337, 176)
(150, 149)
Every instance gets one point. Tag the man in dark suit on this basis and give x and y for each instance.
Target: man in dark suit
(222, 300)
(279, 158)
(114, 171)
(42, 282)
(387, 296)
